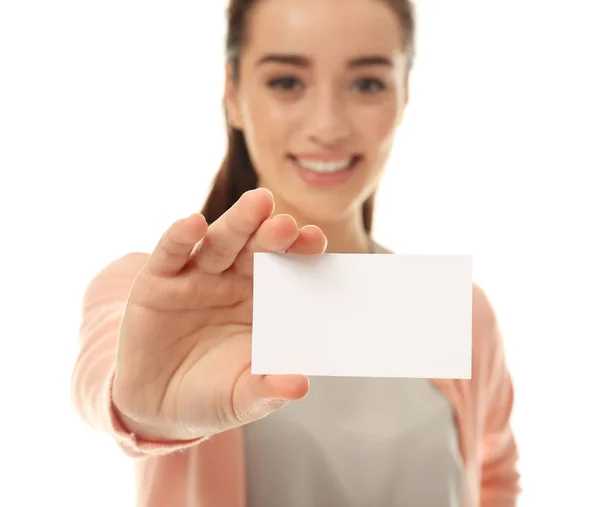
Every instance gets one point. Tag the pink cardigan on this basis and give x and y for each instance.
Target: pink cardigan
(210, 472)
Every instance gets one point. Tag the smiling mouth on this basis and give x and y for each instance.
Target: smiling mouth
(326, 166)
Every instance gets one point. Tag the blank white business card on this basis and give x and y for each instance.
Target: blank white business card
(362, 315)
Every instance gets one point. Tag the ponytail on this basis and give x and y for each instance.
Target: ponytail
(236, 176)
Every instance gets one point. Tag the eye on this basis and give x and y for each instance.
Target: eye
(286, 83)
(369, 85)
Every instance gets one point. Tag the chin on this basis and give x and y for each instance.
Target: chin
(325, 209)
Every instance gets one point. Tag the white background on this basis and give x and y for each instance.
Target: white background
(110, 128)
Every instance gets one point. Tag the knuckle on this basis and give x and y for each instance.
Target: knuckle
(242, 224)
(218, 245)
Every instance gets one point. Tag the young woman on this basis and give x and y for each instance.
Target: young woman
(315, 91)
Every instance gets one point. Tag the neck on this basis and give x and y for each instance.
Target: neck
(344, 236)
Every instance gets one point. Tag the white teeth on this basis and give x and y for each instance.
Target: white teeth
(324, 167)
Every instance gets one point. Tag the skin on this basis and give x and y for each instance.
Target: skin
(319, 103)
(184, 351)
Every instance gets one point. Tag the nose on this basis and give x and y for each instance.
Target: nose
(329, 120)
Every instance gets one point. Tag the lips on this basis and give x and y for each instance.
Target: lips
(322, 165)
(325, 172)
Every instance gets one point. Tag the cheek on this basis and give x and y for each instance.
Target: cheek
(267, 132)
(266, 127)
(380, 125)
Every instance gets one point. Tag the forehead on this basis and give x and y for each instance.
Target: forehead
(325, 28)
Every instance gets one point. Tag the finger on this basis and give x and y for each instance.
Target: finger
(175, 246)
(275, 235)
(263, 394)
(311, 240)
(228, 235)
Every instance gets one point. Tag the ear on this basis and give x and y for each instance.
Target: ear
(232, 108)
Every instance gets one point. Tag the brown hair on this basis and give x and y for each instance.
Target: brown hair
(236, 174)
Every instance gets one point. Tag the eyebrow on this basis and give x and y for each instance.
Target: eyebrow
(303, 61)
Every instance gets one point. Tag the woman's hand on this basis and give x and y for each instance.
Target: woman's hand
(183, 361)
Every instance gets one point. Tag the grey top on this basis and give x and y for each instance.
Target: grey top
(356, 442)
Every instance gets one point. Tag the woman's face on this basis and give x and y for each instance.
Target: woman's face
(321, 90)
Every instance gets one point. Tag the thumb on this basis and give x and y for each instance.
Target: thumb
(266, 393)
(259, 408)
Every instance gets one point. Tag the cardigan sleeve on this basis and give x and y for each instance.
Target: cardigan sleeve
(104, 304)
(500, 479)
